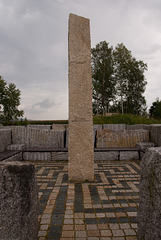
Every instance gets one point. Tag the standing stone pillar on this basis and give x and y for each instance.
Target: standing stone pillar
(80, 146)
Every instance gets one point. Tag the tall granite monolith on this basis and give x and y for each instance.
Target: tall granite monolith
(80, 146)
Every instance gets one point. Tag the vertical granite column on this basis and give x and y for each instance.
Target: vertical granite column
(80, 145)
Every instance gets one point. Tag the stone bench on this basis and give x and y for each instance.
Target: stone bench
(54, 154)
(117, 153)
(44, 154)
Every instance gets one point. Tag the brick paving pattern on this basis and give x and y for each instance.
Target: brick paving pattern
(103, 209)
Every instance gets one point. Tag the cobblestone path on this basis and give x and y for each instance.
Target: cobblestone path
(103, 209)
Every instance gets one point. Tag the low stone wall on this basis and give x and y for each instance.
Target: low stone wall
(108, 138)
(35, 136)
(5, 139)
(149, 212)
(18, 201)
(38, 138)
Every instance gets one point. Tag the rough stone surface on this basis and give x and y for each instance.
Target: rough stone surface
(36, 126)
(66, 138)
(80, 145)
(97, 126)
(38, 138)
(5, 139)
(136, 127)
(144, 146)
(16, 147)
(149, 212)
(129, 155)
(37, 156)
(16, 157)
(18, 201)
(59, 156)
(111, 155)
(155, 134)
(112, 138)
(114, 126)
(60, 126)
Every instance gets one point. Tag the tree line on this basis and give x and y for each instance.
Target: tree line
(118, 80)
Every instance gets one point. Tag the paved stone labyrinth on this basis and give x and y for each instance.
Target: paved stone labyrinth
(103, 209)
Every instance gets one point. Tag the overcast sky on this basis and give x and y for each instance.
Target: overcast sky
(34, 40)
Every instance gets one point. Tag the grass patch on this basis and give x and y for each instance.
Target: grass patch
(127, 119)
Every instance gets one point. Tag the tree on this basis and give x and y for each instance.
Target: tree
(155, 109)
(9, 100)
(118, 80)
(102, 75)
(131, 82)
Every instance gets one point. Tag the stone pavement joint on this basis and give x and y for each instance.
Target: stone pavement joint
(103, 209)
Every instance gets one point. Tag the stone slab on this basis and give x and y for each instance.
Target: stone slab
(37, 156)
(60, 126)
(97, 126)
(16, 147)
(59, 156)
(149, 212)
(80, 142)
(37, 126)
(137, 127)
(155, 134)
(38, 138)
(129, 155)
(16, 157)
(145, 145)
(110, 155)
(18, 201)
(5, 139)
(106, 138)
(114, 126)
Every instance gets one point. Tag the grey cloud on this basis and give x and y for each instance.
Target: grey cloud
(33, 43)
(46, 103)
(41, 106)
